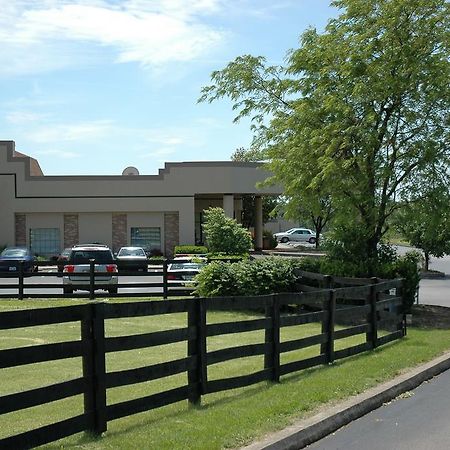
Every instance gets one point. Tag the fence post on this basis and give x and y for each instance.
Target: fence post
(272, 338)
(197, 376)
(372, 335)
(330, 324)
(91, 279)
(328, 281)
(165, 285)
(94, 367)
(21, 281)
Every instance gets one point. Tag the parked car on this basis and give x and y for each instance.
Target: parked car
(182, 271)
(12, 257)
(76, 271)
(62, 258)
(297, 235)
(132, 258)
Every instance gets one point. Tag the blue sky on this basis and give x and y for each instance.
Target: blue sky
(93, 86)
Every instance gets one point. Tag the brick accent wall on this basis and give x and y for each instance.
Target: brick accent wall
(21, 229)
(119, 231)
(71, 232)
(171, 233)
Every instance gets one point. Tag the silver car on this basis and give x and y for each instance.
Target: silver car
(296, 235)
(76, 274)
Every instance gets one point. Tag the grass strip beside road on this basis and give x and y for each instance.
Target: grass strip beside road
(224, 420)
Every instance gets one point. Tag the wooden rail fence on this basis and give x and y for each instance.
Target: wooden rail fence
(373, 305)
(25, 286)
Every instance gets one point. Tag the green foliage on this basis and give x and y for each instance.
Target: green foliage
(388, 266)
(425, 223)
(225, 235)
(190, 249)
(406, 267)
(256, 277)
(156, 260)
(226, 258)
(359, 115)
(270, 239)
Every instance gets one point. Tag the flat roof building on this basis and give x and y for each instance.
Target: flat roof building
(49, 213)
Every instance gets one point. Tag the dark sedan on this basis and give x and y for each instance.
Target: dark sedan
(132, 259)
(12, 257)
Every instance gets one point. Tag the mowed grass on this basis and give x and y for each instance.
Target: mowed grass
(224, 420)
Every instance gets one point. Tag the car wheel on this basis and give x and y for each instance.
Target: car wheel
(112, 290)
(67, 290)
(312, 240)
(284, 240)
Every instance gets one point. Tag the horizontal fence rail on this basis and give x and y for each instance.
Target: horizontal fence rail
(372, 311)
(154, 282)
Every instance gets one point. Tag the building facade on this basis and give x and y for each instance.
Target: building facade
(49, 213)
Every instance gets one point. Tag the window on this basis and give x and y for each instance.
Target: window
(148, 238)
(44, 241)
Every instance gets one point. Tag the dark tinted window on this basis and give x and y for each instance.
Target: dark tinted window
(15, 252)
(83, 256)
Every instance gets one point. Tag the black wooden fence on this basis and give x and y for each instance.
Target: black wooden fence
(24, 284)
(372, 306)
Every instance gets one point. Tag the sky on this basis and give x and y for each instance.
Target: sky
(89, 87)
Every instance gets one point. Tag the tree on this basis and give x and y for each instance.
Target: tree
(366, 102)
(225, 235)
(425, 223)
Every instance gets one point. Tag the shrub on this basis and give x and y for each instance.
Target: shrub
(269, 240)
(216, 279)
(249, 277)
(389, 266)
(226, 258)
(190, 249)
(225, 235)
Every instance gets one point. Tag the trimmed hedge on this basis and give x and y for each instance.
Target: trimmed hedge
(190, 249)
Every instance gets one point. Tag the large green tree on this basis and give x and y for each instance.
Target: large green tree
(365, 103)
(425, 223)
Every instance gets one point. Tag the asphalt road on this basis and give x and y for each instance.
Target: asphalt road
(417, 420)
(436, 291)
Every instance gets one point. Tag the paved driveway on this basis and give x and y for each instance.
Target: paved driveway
(418, 420)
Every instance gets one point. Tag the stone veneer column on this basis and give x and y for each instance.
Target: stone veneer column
(171, 233)
(71, 233)
(119, 231)
(21, 230)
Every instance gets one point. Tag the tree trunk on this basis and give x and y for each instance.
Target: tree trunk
(427, 261)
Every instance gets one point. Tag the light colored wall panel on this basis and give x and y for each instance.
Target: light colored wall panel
(95, 227)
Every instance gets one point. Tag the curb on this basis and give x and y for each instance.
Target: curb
(310, 430)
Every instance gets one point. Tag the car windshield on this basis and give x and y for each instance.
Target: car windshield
(131, 252)
(14, 252)
(186, 266)
(83, 256)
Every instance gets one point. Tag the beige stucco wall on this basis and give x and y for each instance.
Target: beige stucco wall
(95, 227)
(144, 199)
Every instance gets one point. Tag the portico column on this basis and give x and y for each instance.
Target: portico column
(228, 205)
(258, 223)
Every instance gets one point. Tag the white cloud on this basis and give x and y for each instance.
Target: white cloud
(71, 132)
(36, 35)
(158, 153)
(23, 117)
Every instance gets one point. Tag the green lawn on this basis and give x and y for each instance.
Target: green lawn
(226, 419)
